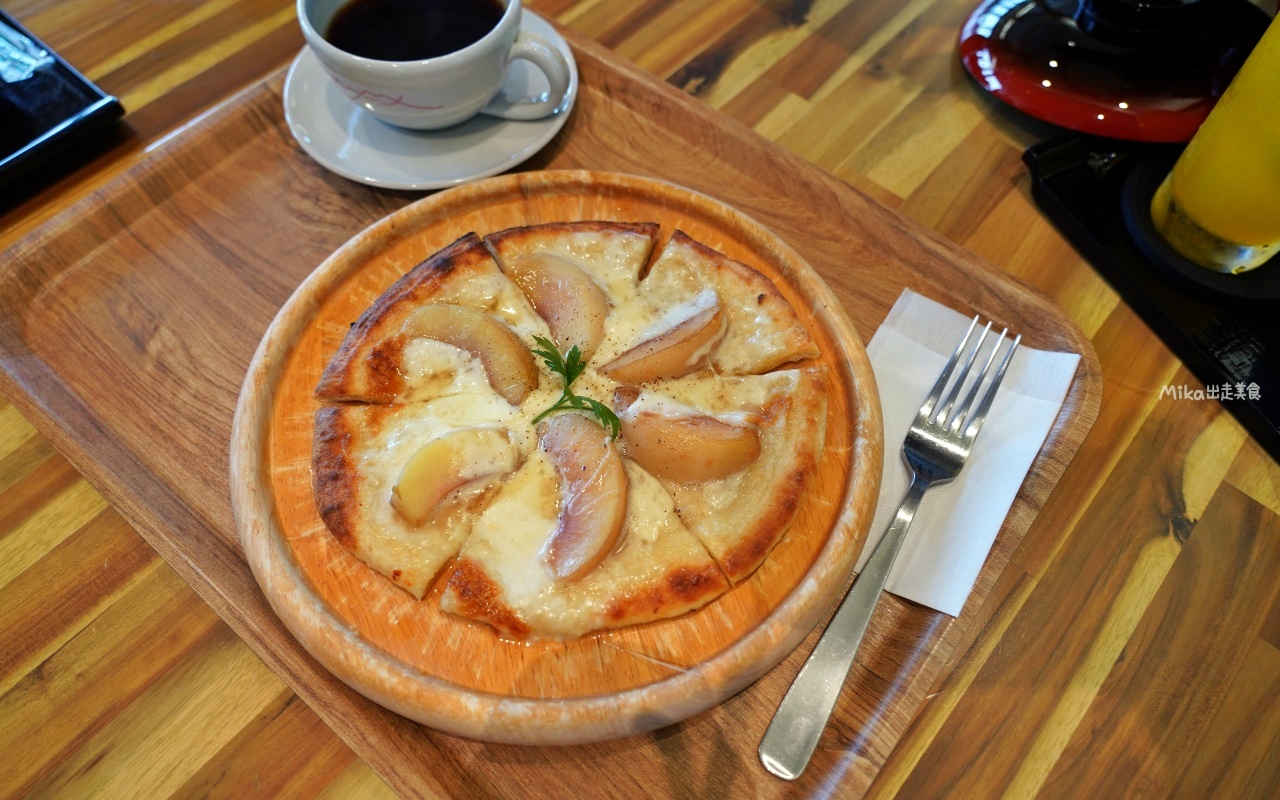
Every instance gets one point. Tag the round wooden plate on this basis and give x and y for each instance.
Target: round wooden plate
(459, 676)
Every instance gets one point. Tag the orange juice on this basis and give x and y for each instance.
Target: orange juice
(1220, 205)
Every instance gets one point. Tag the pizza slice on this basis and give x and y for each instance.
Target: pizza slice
(411, 343)
(697, 307)
(579, 540)
(399, 486)
(736, 454)
(575, 273)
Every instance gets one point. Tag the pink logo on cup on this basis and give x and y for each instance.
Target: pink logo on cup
(381, 99)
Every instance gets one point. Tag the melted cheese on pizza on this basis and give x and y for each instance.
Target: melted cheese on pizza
(763, 330)
(612, 254)
(360, 451)
(648, 313)
(658, 568)
(740, 518)
(434, 369)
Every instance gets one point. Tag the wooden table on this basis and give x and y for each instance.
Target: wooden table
(1138, 649)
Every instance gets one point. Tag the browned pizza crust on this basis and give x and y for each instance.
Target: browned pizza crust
(773, 517)
(334, 478)
(477, 597)
(681, 589)
(474, 595)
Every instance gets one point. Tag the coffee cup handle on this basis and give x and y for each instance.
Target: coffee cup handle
(539, 52)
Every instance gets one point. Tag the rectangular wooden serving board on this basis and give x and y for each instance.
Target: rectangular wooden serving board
(127, 324)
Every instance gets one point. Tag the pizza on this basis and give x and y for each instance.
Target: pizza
(569, 427)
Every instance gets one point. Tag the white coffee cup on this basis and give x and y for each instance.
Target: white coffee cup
(438, 92)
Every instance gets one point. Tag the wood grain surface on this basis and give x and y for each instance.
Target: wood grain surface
(1137, 646)
(128, 321)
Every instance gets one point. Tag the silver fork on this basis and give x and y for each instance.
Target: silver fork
(936, 447)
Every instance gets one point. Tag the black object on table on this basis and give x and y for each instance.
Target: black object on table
(47, 108)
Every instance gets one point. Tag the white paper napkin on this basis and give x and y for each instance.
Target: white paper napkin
(954, 529)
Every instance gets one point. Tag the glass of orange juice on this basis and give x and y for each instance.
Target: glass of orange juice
(1220, 204)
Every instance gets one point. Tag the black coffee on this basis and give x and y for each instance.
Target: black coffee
(408, 30)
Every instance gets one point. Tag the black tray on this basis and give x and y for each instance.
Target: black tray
(1225, 328)
(51, 110)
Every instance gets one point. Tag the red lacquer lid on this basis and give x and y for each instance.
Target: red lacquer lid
(1140, 70)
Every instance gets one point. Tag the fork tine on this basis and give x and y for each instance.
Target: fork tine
(957, 419)
(974, 423)
(926, 409)
(944, 414)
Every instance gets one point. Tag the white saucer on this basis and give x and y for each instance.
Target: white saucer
(353, 143)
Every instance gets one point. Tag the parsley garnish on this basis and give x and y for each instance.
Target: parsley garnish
(569, 367)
